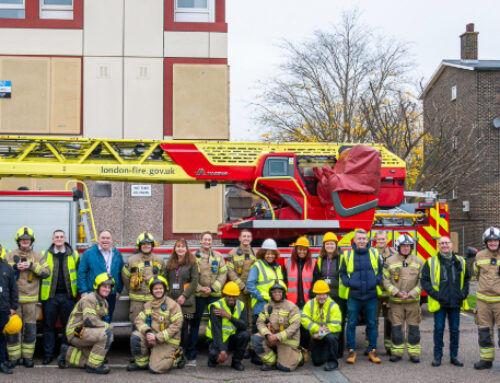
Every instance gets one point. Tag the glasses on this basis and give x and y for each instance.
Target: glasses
(444, 243)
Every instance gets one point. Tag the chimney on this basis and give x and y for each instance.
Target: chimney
(468, 43)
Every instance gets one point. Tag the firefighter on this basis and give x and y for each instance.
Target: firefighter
(487, 271)
(227, 327)
(383, 300)
(138, 270)
(323, 319)
(402, 281)
(277, 340)
(88, 331)
(155, 343)
(29, 267)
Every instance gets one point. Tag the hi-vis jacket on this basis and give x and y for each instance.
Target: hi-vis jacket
(70, 267)
(486, 269)
(403, 274)
(313, 317)
(137, 272)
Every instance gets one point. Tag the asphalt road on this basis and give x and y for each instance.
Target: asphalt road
(361, 371)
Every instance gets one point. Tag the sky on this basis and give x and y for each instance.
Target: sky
(256, 28)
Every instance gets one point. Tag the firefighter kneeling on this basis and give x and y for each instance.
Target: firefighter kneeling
(155, 343)
(321, 316)
(228, 326)
(88, 332)
(278, 325)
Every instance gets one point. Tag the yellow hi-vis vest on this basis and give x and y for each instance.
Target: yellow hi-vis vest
(47, 282)
(329, 315)
(228, 327)
(348, 258)
(268, 276)
(435, 274)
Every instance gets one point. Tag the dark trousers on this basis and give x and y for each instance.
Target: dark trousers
(201, 305)
(187, 328)
(237, 342)
(454, 326)
(343, 310)
(111, 299)
(60, 306)
(305, 338)
(4, 318)
(324, 350)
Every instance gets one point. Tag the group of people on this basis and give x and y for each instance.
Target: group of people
(274, 313)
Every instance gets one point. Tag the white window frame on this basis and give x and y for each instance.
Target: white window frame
(15, 7)
(61, 12)
(453, 93)
(195, 15)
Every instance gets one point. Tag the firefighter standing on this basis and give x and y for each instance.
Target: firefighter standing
(138, 270)
(88, 331)
(402, 281)
(277, 340)
(156, 341)
(227, 328)
(487, 271)
(29, 267)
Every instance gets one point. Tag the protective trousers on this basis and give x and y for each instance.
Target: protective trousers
(90, 349)
(247, 300)
(383, 307)
(409, 314)
(286, 357)
(488, 314)
(159, 358)
(134, 310)
(23, 343)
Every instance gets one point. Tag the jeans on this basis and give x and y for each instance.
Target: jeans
(354, 308)
(60, 306)
(453, 324)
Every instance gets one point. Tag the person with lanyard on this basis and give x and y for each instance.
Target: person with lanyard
(182, 275)
(58, 291)
(327, 268)
(213, 275)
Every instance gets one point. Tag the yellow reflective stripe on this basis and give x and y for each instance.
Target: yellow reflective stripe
(142, 327)
(142, 362)
(284, 313)
(176, 317)
(395, 265)
(37, 268)
(142, 315)
(418, 290)
(89, 311)
(148, 312)
(269, 358)
(414, 265)
(165, 335)
(483, 262)
(28, 298)
(294, 318)
(217, 284)
(487, 353)
(291, 342)
(126, 272)
(223, 269)
(399, 300)
(386, 273)
(174, 341)
(140, 297)
(486, 298)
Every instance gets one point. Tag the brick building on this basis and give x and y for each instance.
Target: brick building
(466, 94)
(151, 69)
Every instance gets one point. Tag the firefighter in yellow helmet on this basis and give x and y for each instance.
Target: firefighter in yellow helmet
(277, 340)
(155, 343)
(29, 267)
(322, 317)
(138, 271)
(88, 331)
(227, 327)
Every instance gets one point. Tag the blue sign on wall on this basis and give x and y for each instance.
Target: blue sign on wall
(5, 89)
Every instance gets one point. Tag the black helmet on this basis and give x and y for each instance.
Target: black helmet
(278, 285)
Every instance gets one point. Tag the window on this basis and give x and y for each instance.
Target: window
(12, 9)
(56, 9)
(453, 93)
(201, 11)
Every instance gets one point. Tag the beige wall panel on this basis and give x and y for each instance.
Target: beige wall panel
(186, 44)
(103, 28)
(218, 45)
(143, 94)
(196, 209)
(66, 95)
(201, 101)
(32, 41)
(32, 183)
(28, 109)
(144, 28)
(102, 97)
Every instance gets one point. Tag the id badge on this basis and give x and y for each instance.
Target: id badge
(493, 261)
(176, 286)
(328, 281)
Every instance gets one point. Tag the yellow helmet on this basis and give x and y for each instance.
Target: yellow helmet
(330, 237)
(155, 280)
(302, 241)
(13, 326)
(25, 233)
(231, 289)
(145, 238)
(103, 279)
(321, 287)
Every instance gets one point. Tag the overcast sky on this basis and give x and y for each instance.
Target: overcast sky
(256, 27)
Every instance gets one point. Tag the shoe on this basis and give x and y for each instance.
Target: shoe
(373, 358)
(134, 367)
(247, 354)
(414, 359)
(436, 362)
(28, 363)
(483, 365)
(101, 370)
(330, 366)
(236, 365)
(14, 363)
(5, 369)
(268, 367)
(352, 357)
(211, 363)
(47, 360)
(456, 362)
(395, 358)
(61, 358)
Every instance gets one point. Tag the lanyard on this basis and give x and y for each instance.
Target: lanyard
(177, 271)
(328, 260)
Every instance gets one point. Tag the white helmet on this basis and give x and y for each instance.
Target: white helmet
(491, 233)
(404, 239)
(269, 244)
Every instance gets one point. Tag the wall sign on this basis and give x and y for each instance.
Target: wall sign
(5, 89)
(140, 190)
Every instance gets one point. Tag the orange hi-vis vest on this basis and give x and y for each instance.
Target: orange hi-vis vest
(293, 276)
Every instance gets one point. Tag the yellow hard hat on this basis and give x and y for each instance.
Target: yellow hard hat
(321, 287)
(103, 278)
(231, 289)
(330, 237)
(155, 280)
(13, 326)
(145, 238)
(302, 241)
(25, 233)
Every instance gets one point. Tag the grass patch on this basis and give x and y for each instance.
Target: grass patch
(471, 300)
